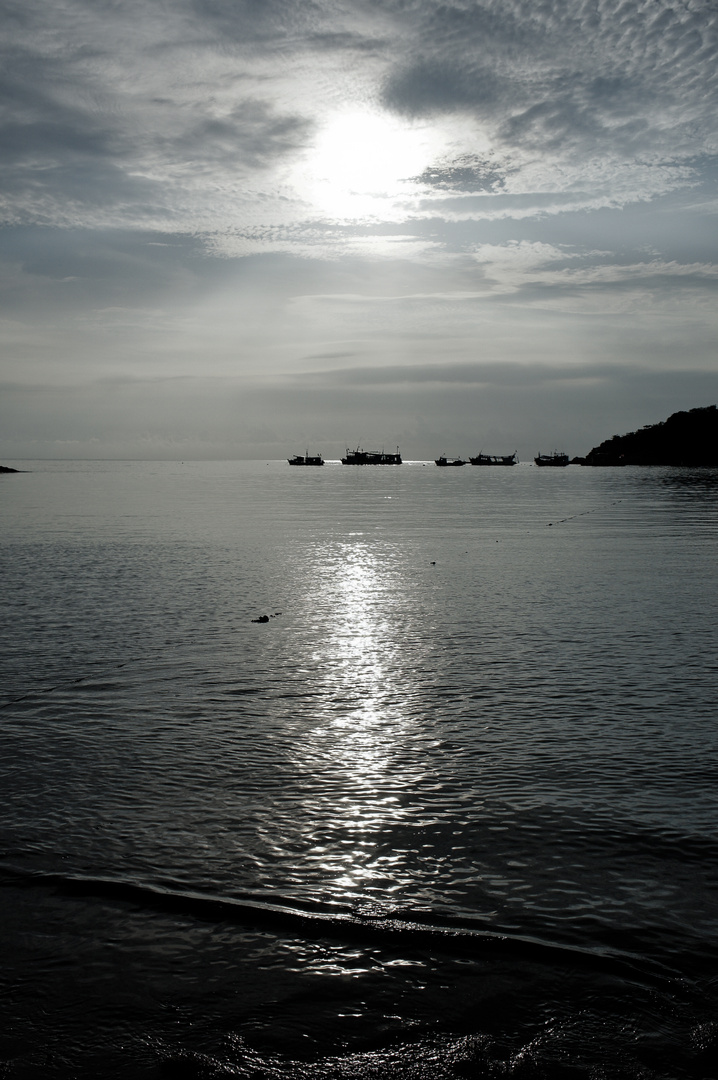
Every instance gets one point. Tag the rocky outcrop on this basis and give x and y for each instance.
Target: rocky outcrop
(685, 438)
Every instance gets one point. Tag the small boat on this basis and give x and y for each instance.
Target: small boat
(495, 459)
(555, 459)
(371, 457)
(306, 460)
(444, 463)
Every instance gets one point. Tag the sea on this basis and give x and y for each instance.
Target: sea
(358, 773)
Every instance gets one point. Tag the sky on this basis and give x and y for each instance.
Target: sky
(244, 228)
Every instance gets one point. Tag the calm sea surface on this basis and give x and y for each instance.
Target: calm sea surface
(452, 811)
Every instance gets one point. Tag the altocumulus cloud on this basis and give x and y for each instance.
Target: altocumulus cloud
(603, 76)
(211, 193)
(168, 112)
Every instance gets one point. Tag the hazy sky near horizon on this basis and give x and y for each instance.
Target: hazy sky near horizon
(236, 228)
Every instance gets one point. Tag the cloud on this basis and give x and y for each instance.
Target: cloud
(603, 77)
(202, 115)
(468, 173)
(475, 374)
(112, 113)
(418, 196)
(536, 375)
(210, 418)
(345, 42)
(252, 135)
(257, 20)
(427, 86)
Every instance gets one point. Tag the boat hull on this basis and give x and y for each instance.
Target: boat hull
(555, 460)
(371, 457)
(306, 460)
(494, 459)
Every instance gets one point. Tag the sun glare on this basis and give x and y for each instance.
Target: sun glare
(361, 161)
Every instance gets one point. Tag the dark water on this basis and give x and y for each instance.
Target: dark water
(450, 812)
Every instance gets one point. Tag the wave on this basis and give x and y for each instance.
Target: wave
(399, 928)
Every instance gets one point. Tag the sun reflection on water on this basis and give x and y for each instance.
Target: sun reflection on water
(353, 756)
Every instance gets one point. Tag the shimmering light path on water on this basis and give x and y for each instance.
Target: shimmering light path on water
(484, 701)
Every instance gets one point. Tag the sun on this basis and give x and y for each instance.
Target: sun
(362, 161)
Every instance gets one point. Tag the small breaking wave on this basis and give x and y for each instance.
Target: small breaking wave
(314, 920)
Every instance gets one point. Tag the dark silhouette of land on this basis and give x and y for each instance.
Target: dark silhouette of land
(685, 438)
(6, 468)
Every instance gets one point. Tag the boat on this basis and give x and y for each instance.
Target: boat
(443, 462)
(495, 459)
(555, 459)
(371, 457)
(306, 460)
